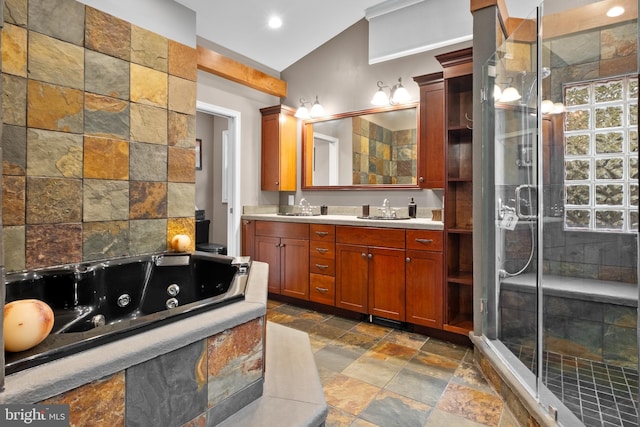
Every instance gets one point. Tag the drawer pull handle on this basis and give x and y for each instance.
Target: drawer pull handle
(322, 233)
(322, 250)
(424, 240)
(322, 266)
(323, 290)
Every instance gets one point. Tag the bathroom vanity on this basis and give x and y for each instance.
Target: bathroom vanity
(390, 269)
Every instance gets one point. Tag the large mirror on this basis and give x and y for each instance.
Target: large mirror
(367, 149)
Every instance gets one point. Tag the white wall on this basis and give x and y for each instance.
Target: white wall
(224, 93)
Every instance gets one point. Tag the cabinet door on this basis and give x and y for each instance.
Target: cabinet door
(267, 249)
(432, 147)
(424, 288)
(386, 283)
(352, 271)
(295, 268)
(270, 153)
(248, 238)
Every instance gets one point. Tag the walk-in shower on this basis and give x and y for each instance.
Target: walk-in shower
(560, 103)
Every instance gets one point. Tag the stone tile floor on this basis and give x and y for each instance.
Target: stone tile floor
(379, 376)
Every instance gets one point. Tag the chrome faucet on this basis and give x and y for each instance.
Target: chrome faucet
(305, 207)
(386, 209)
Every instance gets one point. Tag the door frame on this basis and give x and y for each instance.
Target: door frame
(233, 179)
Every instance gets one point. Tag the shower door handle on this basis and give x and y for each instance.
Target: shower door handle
(519, 213)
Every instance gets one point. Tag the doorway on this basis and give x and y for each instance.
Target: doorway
(224, 215)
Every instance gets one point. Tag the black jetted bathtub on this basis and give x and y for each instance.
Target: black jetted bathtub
(99, 302)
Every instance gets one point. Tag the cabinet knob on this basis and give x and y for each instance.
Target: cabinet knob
(277, 182)
(364, 255)
(321, 290)
(321, 266)
(370, 256)
(322, 233)
(421, 179)
(322, 250)
(408, 259)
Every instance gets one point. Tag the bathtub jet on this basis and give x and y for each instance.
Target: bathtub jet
(96, 303)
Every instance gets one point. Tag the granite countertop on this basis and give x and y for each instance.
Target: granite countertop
(412, 223)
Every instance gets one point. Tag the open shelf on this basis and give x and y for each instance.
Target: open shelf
(458, 191)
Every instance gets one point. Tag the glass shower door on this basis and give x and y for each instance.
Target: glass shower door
(562, 93)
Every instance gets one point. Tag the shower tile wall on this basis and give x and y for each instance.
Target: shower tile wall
(597, 331)
(604, 256)
(98, 137)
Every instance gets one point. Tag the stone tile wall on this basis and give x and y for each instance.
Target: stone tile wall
(383, 156)
(605, 256)
(600, 331)
(99, 129)
(200, 384)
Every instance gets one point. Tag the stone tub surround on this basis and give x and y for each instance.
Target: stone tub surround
(291, 384)
(106, 363)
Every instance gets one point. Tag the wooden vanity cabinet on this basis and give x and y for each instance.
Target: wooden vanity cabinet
(431, 158)
(424, 272)
(279, 149)
(322, 263)
(370, 271)
(285, 247)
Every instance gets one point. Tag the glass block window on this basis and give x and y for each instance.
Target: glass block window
(601, 155)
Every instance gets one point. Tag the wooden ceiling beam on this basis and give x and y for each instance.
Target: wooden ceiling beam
(225, 67)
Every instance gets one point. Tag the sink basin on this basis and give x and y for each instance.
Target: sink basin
(387, 218)
(297, 214)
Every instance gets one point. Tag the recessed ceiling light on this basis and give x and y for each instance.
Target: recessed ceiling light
(615, 11)
(275, 22)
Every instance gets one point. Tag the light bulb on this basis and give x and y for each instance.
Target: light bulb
(510, 94)
(380, 98)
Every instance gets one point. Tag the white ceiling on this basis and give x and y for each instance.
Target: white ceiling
(241, 25)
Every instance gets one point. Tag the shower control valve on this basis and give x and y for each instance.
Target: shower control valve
(172, 303)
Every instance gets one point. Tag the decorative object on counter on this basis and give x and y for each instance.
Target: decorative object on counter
(436, 215)
(323, 210)
(181, 243)
(27, 323)
(365, 210)
(412, 208)
(397, 94)
(317, 110)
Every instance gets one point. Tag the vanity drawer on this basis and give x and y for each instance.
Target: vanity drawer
(322, 232)
(322, 266)
(321, 250)
(322, 289)
(290, 230)
(425, 240)
(371, 236)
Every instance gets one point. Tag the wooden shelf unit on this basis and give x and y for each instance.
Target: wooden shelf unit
(458, 191)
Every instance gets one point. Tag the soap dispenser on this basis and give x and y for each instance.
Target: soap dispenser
(412, 208)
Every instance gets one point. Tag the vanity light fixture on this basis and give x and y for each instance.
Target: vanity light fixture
(317, 110)
(398, 94)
